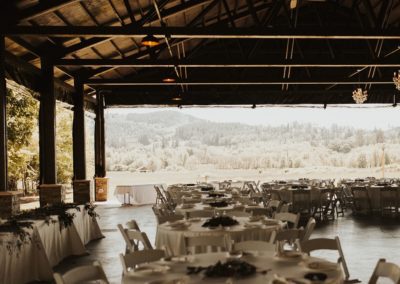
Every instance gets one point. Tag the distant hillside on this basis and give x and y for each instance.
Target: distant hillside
(170, 140)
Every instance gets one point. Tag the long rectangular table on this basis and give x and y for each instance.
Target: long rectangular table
(48, 247)
(136, 194)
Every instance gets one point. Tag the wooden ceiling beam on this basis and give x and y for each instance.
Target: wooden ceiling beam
(210, 82)
(167, 13)
(244, 96)
(44, 7)
(338, 33)
(223, 63)
(141, 54)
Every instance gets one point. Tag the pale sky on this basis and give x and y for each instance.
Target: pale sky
(358, 117)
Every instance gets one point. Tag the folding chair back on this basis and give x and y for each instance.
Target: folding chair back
(386, 270)
(82, 274)
(131, 260)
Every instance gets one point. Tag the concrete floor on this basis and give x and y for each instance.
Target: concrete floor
(364, 240)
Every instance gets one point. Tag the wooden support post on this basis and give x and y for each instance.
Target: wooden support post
(81, 186)
(101, 182)
(99, 142)
(3, 125)
(50, 192)
(47, 126)
(78, 133)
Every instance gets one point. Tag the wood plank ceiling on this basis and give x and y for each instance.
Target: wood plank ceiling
(221, 52)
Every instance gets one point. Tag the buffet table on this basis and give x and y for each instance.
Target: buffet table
(173, 238)
(49, 245)
(137, 194)
(268, 267)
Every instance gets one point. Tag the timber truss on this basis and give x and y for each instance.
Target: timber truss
(218, 52)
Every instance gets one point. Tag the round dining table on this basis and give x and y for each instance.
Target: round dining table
(187, 209)
(173, 239)
(269, 268)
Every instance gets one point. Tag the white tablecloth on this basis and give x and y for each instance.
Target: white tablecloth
(201, 207)
(173, 239)
(286, 267)
(137, 194)
(49, 246)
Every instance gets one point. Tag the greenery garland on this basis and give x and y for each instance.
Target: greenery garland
(20, 234)
(18, 224)
(90, 209)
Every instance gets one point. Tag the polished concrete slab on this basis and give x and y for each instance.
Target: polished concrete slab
(364, 240)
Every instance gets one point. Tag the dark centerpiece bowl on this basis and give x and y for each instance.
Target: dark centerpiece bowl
(216, 194)
(224, 221)
(207, 188)
(316, 276)
(219, 204)
(231, 268)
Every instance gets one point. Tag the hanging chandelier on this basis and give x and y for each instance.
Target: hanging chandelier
(360, 96)
(396, 79)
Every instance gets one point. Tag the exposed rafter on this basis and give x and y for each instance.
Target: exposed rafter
(213, 81)
(118, 97)
(162, 46)
(221, 63)
(206, 32)
(148, 18)
(43, 8)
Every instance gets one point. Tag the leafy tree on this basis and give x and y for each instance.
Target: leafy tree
(362, 161)
(64, 145)
(22, 114)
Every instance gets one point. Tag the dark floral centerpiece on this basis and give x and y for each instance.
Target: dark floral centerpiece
(219, 204)
(299, 186)
(213, 194)
(224, 221)
(207, 188)
(230, 268)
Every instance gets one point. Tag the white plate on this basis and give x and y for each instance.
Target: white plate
(180, 280)
(252, 226)
(270, 222)
(182, 259)
(150, 269)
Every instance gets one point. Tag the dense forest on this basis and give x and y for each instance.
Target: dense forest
(170, 140)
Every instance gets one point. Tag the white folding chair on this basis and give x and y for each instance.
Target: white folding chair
(82, 274)
(131, 260)
(386, 270)
(254, 246)
(245, 200)
(292, 218)
(257, 211)
(308, 229)
(133, 225)
(289, 235)
(328, 244)
(203, 244)
(133, 239)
